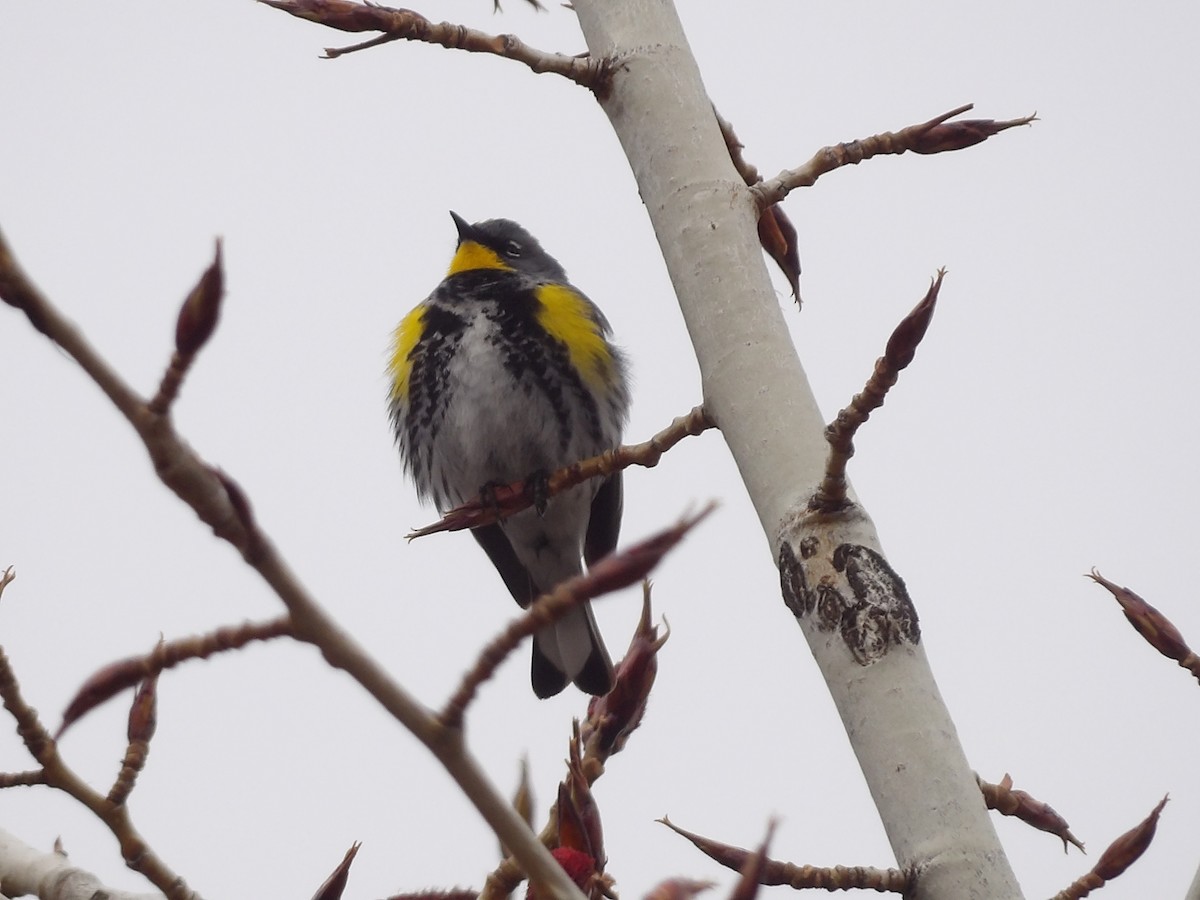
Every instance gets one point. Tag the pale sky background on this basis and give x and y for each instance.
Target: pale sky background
(1047, 425)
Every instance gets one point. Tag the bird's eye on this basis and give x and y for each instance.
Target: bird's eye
(513, 250)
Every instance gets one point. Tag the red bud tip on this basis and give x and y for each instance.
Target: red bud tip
(579, 827)
(578, 865)
(1125, 850)
(966, 133)
(902, 345)
(616, 715)
(335, 884)
(101, 686)
(143, 714)
(200, 311)
(1151, 624)
(777, 235)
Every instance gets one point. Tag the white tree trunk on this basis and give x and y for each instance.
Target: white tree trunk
(757, 392)
(1194, 891)
(25, 871)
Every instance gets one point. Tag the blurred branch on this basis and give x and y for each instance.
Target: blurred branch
(506, 500)
(774, 872)
(406, 25)
(118, 676)
(138, 855)
(938, 135)
(611, 719)
(615, 571)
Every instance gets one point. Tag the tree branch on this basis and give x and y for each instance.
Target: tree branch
(901, 348)
(935, 136)
(137, 854)
(406, 25)
(613, 572)
(510, 499)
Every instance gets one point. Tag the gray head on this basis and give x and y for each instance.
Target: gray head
(515, 247)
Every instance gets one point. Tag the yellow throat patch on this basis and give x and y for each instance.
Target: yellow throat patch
(471, 255)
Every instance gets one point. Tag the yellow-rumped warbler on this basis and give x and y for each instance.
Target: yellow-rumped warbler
(505, 372)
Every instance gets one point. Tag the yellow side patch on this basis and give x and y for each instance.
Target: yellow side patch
(567, 316)
(404, 339)
(471, 255)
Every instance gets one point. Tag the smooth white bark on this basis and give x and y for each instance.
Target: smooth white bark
(25, 871)
(755, 389)
(1194, 891)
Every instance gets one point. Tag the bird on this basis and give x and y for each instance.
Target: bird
(506, 372)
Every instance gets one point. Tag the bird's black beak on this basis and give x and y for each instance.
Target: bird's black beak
(463, 226)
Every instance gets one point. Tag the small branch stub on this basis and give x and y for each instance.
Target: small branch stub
(1008, 801)
(901, 349)
(938, 135)
(406, 25)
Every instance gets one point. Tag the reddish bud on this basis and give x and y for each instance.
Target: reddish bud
(614, 716)
(1151, 624)
(752, 870)
(103, 685)
(1017, 803)
(966, 133)
(628, 566)
(578, 865)
(902, 345)
(335, 884)
(777, 235)
(579, 825)
(143, 714)
(727, 855)
(200, 311)
(1125, 850)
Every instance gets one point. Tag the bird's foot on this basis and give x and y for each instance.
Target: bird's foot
(537, 489)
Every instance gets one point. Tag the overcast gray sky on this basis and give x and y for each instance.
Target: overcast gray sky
(1047, 425)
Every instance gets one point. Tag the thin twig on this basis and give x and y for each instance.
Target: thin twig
(509, 499)
(615, 571)
(901, 348)
(118, 676)
(406, 25)
(1009, 801)
(774, 872)
(1119, 856)
(935, 136)
(610, 721)
(138, 855)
